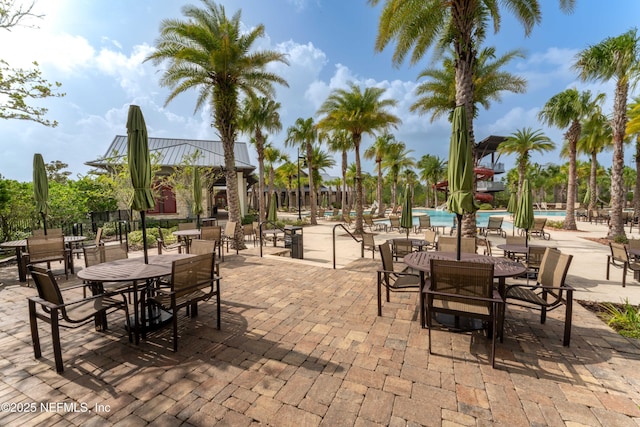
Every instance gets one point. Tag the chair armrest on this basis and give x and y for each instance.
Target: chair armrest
(564, 287)
(50, 305)
(495, 298)
(398, 273)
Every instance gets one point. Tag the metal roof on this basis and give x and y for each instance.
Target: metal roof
(171, 151)
(489, 144)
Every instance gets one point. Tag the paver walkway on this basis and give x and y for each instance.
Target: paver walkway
(301, 345)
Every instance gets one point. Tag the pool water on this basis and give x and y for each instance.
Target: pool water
(439, 218)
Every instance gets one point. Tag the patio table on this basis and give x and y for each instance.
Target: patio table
(517, 249)
(415, 243)
(21, 245)
(274, 232)
(132, 270)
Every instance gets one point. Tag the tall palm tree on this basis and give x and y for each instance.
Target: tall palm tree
(377, 151)
(438, 94)
(357, 112)
(568, 109)
(272, 156)
(287, 172)
(397, 159)
(213, 54)
(321, 161)
(522, 143)
(633, 129)
(339, 141)
(432, 169)
(596, 136)
(616, 58)
(304, 134)
(259, 115)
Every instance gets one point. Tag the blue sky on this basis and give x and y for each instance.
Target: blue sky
(95, 49)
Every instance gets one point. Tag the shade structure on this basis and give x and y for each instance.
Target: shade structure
(272, 215)
(524, 213)
(139, 168)
(406, 219)
(460, 174)
(197, 195)
(513, 203)
(41, 189)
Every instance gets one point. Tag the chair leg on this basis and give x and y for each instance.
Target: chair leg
(175, 325)
(494, 332)
(567, 319)
(35, 336)
(55, 338)
(218, 302)
(379, 294)
(624, 276)
(608, 265)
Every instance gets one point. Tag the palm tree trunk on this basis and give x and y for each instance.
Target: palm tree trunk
(261, 204)
(379, 189)
(616, 226)
(593, 191)
(359, 208)
(343, 196)
(636, 193)
(572, 135)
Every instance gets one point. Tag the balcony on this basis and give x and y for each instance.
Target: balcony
(490, 186)
(496, 167)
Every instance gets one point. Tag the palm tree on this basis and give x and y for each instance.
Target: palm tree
(339, 141)
(432, 168)
(272, 156)
(566, 110)
(377, 151)
(303, 134)
(258, 115)
(596, 136)
(633, 128)
(321, 161)
(287, 172)
(397, 159)
(523, 142)
(211, 53)
(438, 94)
(615, 58)
(357, 112)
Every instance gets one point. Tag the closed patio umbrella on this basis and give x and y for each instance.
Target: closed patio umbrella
(406, 219)
(272, 215)
(524, 214)
(460, 171)
(41, 188)
(197, 195)
(139, 168)
(511, 208)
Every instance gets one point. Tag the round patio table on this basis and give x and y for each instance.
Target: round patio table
(132, 270)
(21, 245)
(415, 243)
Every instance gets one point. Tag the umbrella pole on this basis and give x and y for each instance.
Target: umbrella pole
(144, 236)
(44, 222)
(458, 246)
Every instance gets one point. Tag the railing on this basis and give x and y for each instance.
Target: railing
(352, 236)
(260, 231)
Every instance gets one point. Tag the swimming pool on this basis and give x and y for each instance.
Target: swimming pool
(439, 218)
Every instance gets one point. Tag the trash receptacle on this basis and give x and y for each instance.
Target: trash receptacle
(294, 239)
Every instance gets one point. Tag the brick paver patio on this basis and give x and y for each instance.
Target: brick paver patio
(302, 345)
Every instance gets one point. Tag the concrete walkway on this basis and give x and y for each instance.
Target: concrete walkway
(301, 345)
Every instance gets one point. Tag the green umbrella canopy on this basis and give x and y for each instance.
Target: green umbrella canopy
(272, 215)
(406, 220)
(197, 192)
(460, 166)
(139, 161)
(513, 203)
(40, 185)
(524, 213)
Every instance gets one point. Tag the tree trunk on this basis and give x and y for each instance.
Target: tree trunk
(261, 195)
(593, 190)
(572, 135)
(379, 189)
(616, 226)
(343, 196)
(636, 193)
(359, 207)
(312, 194)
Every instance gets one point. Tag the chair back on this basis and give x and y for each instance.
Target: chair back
(247, 230)
(538, 224)
(462, 279)
(190, 273)
(402, 247)
(468, 245)
(201, 246)
(535, 255)
(321, 212)
(347, 219)
(430, 236)
(47, 287)
(50, 232)
(447, 244)
(634, 243)
(495, 222)
(230, 229)
(187, 226)
(485, 243)
(335, 212)
(553, 270)
(92, 255)
(394, 221)
(45, 247)
(98, 240)
(368, 219)
(516, 240)
(368, 241)
(213, 232)
(114, 252)
(386, 256)
(619, 252)
(424, 221)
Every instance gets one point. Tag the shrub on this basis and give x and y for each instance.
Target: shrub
(625, 320)
(486, 207)
(554, 224)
